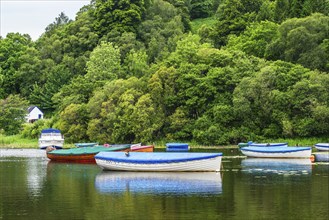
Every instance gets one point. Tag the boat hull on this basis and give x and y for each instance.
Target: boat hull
(277, 152)
(159, 162)
(84, 158)
(322, 146)
(149, 148)
(177, 149)
(81, 155)
(53, 144)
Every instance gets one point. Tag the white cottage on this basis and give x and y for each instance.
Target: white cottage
(34, 113)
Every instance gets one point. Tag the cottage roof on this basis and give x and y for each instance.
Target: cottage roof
(29, 109)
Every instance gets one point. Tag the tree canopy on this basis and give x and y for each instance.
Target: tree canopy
(213, 72)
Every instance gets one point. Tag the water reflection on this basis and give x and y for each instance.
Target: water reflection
(33, 162)
(277, 165)
(201, 183)
(34, 188)
(76, 170)
(36, 176)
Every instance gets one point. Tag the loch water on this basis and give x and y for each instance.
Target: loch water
(32, 187)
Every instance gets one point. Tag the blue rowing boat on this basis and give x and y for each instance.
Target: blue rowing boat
(322, 146)
(177, 147)
(159, 161)
(253, 144)
(277, 152)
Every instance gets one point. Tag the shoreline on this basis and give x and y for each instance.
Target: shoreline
(68, 146)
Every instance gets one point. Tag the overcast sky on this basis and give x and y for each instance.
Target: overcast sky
(33, 16)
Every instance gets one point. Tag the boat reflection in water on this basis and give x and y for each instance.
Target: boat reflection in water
(321, 156)
(277, 165)
(177, 183)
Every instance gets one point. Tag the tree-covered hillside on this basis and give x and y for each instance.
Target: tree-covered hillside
(209, 71)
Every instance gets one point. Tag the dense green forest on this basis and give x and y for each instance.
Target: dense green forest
(208, 71)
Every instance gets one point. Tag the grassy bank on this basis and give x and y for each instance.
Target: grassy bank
(16, 141)
(299, 141)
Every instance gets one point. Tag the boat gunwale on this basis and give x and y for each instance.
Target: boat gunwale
(324, 145)
(173, 149)
(85, 144)
(268, 144)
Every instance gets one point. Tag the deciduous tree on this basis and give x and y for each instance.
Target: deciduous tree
(13, 111)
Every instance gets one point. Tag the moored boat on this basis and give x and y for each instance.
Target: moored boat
(268, 145)
(243, 144)
(254, 144)
(82, 154)
(51, 137)
(177, 147)
(142, 148)
(277, 152)
(322, 146)
(159, 161)
(321, 156)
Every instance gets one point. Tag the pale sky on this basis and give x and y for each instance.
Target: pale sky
(33, 16)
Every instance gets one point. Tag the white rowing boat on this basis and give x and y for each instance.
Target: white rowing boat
(277, 152)
(158, 161)
(322, 146)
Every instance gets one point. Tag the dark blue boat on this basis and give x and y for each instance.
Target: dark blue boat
(177, 147)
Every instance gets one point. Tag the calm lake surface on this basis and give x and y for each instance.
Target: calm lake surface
(32, 187)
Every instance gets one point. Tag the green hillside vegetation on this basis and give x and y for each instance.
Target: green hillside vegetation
(197, 25)
(208, 72)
